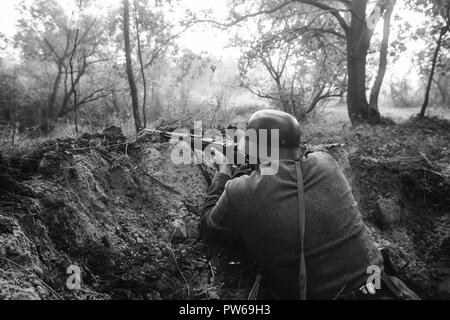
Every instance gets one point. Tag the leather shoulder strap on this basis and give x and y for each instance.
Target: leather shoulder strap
(302, 220)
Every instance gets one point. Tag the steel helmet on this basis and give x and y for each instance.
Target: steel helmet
(288, 126)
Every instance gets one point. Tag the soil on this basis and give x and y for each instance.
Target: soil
(127, 216)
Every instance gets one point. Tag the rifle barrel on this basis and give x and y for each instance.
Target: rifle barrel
(226, 148)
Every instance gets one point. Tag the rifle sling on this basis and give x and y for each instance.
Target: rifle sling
(302, 220)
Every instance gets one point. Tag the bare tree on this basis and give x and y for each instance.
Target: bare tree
(374, 94)
(129, 66)
(14, 104)
(300, 81)
(351, 26)
(69, 49)
(444, 8)
(141, 63)
(60, 62)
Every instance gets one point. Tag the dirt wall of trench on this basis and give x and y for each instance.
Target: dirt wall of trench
(127, 217)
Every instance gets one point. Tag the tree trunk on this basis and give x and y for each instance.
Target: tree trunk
(75, 111)
(433, 67)
(141, 63)
(74, 84)
(357, 104)
(14, 118)
(52, 99)
(374, 115)
(313, 104)
(358, 42)
(129, 66)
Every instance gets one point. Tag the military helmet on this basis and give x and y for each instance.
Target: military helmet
(288, 126)
(288, 133)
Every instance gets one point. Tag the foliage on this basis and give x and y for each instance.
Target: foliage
(439, 54)
(299, 74)
(69, 67)
(349, 31)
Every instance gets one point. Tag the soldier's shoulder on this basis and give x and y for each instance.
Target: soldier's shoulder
(320, 160)
(319, 156)
(237, 182)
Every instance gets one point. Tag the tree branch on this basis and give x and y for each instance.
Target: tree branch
(331, 10)
(166, 42)
(258, 93)
(247, 16)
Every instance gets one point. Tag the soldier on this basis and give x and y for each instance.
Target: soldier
(302, 225)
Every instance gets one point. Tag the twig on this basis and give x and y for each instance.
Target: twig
(210, 288)
(96, 146)
(161, 183)
(431, 165)
(172, 294)
(426, 159)
(212, 269)
(435, 172)
(34, 275)
(342, 290)
(254, 292)
(178, 267)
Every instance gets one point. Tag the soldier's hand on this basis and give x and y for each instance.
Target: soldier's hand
(220, 161)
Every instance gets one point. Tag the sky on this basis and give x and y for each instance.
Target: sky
(205, 38)
(8, 17)
(198, 39)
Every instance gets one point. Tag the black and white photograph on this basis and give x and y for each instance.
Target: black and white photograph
(225, 156)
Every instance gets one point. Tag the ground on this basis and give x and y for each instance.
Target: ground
(127, 216)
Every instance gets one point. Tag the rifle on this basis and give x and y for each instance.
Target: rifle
(198, 142)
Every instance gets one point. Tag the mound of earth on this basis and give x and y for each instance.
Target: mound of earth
(126, 216)
(121, 212)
